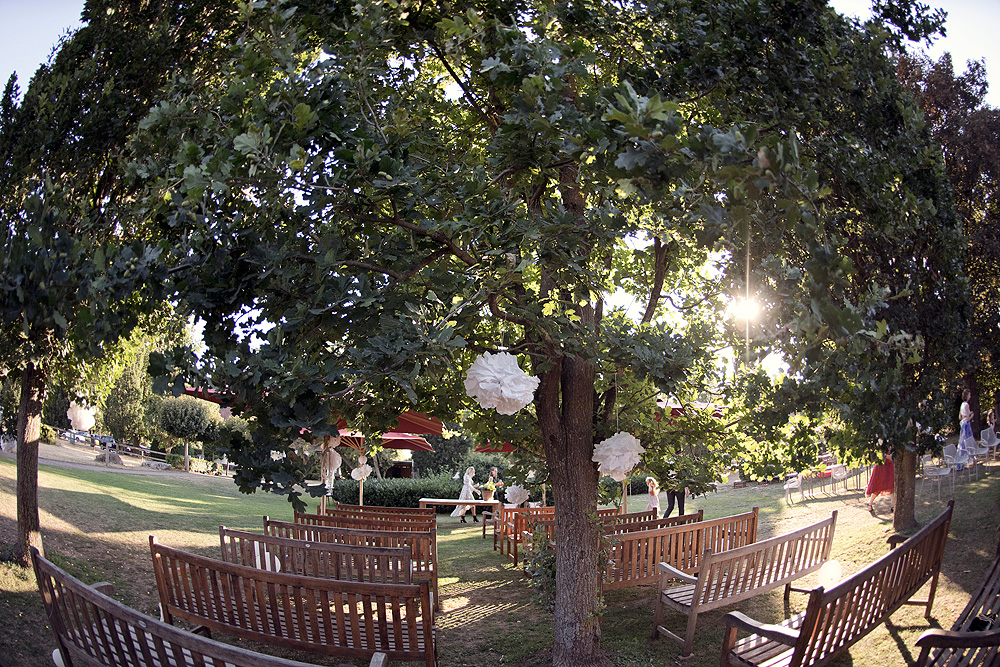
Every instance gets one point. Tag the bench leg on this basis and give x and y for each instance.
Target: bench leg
(658, 619)
(728, 643)
(689, 635)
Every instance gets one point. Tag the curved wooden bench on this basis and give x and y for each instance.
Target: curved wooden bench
(323, 616)
(730, 576)
(835, 619)
(974, 639)
(91, 628)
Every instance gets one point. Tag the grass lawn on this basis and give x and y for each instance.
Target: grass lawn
(96, 523)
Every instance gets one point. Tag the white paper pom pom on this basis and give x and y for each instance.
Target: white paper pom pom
(516, 494)
(80, 418)
(496, 381)
(361, 472)
(618, 455)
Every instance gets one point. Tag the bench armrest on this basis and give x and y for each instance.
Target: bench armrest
(778, 633)
(895, 540)
(668, 569)
(105, 587)
(953, 639)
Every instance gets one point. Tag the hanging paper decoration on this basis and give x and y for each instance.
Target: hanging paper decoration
(331, 464)
(496, 381)
(363, 470)
(80, 418)
(617, 455)
(516, 494)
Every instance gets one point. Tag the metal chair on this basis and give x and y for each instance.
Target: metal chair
(978, 453)
(958, 459)
(989, 439)
(794, 481)
(838, 473)
(935, 473)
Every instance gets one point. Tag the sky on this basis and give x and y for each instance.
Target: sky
(30, 28)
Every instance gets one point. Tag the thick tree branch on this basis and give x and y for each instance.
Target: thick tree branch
(659, 271)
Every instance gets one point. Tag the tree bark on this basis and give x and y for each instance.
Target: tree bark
(904, 482)
(29, 421)
(567, 429)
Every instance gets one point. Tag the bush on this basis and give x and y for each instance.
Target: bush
(203, 466)
(397, 492)
(175, 460)
(47, 434)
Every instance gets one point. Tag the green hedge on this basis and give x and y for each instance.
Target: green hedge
(47, 434)
(403, 492)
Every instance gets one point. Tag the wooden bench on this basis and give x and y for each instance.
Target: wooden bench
(323, 616)
(516, 522)
(424, 520)
(316, 558)
(422, 544)
(91, 628)
(974, 639)
(634, 556)
(651, 523)
(455, 502)
(727, 577)
(835, 619)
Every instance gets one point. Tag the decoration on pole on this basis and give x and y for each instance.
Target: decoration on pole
(331, 464)
(496, 381)
(363, 470)
(516, 494)
(80, 418)
(618, 455)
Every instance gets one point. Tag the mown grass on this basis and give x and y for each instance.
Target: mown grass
(96, 524)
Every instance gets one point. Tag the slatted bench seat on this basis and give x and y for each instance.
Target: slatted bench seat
(361, 510)
(835, 619)
(323, 616)
(634, 556)
(422, 544)
(314, 558)
(727, 577)
(92, 629)
(974, 639)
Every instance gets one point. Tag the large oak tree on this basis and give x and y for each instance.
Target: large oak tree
(363, 196)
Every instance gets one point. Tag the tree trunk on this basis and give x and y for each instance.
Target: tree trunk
(568, 432)
(29, 421)
(904, 483)
(187, 459)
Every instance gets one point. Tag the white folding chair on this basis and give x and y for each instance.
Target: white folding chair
(977, 452)
(935, 473)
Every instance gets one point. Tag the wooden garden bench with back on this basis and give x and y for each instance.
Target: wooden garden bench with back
(422, 544)
(835, 619)
(974, 639)
(322, 616)
(315, 558)
(636, 550)
(94, 630)
(729, 576)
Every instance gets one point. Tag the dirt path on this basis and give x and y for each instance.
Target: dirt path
(67, 455)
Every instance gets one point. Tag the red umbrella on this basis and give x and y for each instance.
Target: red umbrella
(356, 441)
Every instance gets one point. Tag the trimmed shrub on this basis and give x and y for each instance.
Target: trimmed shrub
(47, 434)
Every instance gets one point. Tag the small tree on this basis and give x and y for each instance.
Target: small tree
(187, 418)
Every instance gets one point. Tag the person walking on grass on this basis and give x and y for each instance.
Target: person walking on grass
(469, 489)
(653, 488)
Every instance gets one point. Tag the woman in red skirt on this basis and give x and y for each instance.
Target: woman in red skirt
(882, 482)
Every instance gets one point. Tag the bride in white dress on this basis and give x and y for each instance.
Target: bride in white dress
(468, 490)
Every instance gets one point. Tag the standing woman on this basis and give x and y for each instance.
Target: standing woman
(882, 482)
(653, 488)
(965, 418)
(469, 489)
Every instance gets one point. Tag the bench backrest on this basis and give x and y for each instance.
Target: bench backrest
(629, 517)
(371, 521)
(324, 616)
(423, 519)
(652, 523)
(634, 556)
(316, 558)
(94, 630)
(609, 512)
(421, 544)
(737, 574)
(837, 618)
(362, 510)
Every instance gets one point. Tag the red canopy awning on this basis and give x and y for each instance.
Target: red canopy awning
(490, 448)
